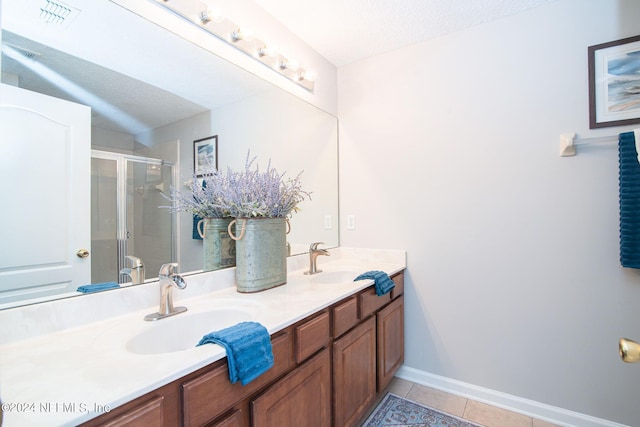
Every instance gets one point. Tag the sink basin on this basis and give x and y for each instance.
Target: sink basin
(184, 331)
(334, 277)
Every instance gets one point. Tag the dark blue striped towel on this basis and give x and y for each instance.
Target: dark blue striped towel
(383, 282)
(195, 235)
(629, 180)
(248, 347)
(97, 287)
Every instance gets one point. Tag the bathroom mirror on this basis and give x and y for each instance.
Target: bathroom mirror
(153, 95)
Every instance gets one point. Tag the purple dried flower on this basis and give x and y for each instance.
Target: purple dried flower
(249, 193)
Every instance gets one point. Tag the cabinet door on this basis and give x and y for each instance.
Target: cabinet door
(150, 413)
(354, 373)
(302, 398)
(390, 341)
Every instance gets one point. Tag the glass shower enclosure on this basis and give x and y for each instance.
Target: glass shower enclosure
(127, 215)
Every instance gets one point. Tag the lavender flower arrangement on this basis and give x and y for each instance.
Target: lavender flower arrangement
(242, 194)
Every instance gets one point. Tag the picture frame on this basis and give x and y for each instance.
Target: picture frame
(614, 83)
(205, 154)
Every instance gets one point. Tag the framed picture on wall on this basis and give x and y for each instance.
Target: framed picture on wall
(614, 83)
(205, 154)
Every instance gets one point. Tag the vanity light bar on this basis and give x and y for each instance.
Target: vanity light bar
(214, 23)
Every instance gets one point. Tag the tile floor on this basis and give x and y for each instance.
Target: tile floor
(479, 413)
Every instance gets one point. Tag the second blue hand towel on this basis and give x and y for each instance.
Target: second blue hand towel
(382, 281)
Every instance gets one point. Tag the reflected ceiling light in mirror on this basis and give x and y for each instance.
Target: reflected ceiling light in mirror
(210, 18)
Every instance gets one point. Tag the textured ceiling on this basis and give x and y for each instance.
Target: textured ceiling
(344, 31)
(137, 78)
(134, 105)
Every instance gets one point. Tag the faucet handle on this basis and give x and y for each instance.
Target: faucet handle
(168, 269)
(135, 261)
(314, 246)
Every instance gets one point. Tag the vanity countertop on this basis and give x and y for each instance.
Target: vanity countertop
(68, 376)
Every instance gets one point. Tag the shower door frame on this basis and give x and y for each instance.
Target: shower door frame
(122, 232)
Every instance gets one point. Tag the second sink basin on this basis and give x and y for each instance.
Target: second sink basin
(184, 331)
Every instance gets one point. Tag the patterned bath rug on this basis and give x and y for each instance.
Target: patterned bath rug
(398, 412)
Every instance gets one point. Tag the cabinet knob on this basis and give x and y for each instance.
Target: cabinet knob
(82, 253)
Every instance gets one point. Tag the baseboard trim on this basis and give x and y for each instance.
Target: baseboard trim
(513, 403)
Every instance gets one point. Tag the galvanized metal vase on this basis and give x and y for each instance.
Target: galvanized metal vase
(261, 253)
(218, 248)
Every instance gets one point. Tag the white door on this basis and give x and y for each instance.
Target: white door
(45, 151)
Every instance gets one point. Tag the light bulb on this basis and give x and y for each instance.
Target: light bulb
(241, 34)
(211, 13)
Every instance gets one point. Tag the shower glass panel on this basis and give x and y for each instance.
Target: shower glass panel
(104, 214)
(126, 218)
(149, 228)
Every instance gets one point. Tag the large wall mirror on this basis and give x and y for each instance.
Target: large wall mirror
(152, 94)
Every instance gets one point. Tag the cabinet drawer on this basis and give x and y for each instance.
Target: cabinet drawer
(311, 336)
(150, 413)
(208, 395)
(345, 316)
(398, 290)
(235, 419)
(370, 302)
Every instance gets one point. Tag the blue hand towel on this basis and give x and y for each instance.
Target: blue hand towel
(97, 287)
(194, 229)
(248, 347)
(383, 282)
(629, 182)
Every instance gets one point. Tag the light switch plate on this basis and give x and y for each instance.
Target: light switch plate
(351, 222)
(328, 222)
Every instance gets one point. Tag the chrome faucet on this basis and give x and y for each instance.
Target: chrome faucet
(135, 272)
(313, 256)
(168, 278)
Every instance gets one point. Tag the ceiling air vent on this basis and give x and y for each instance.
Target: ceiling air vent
(22, 51)
(57, 13)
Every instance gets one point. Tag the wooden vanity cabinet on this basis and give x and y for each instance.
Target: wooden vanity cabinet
(354, 373)
(302, 398)
(328, 370)
(160, 407)
(390, 341)
(207, 393)
(236, 418)
(311, 336)
(366, 358)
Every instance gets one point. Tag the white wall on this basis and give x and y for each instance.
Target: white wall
(274, 125)
(449, 149)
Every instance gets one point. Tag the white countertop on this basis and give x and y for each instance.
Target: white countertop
(67, 361)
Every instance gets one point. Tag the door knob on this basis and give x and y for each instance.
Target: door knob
(82, 253)
(629, 350)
